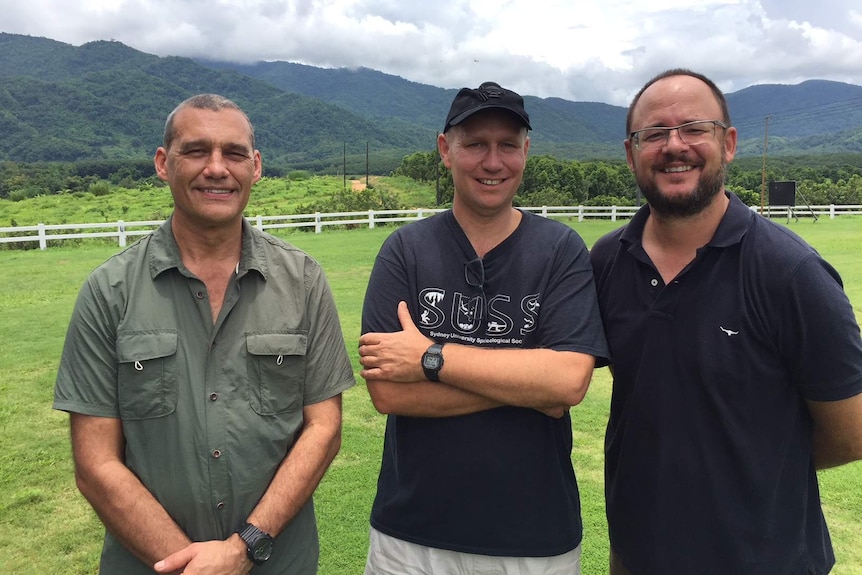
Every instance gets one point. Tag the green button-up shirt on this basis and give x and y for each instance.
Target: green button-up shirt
(209, 411)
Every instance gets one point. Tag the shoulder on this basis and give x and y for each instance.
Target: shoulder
(607, 244)
(275, 247)
(121, 264)
(775, 248)
(424, 232)
(549, 231)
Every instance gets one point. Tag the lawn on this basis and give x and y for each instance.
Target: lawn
(47, 527)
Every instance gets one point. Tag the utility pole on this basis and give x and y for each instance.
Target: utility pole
(763, 169)
(437, 169)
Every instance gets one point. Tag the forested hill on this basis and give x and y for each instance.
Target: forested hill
(106, 101)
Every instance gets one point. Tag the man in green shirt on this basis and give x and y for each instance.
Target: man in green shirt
(202, 370)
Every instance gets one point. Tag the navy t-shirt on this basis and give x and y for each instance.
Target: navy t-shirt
(496, 482)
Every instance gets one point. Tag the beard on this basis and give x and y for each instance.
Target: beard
(708, 186)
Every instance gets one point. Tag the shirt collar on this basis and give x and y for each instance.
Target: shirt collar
(731, 229)
(164, 254)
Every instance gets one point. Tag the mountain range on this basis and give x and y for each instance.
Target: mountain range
(106, 101)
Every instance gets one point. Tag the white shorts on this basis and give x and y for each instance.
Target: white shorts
(390, 556)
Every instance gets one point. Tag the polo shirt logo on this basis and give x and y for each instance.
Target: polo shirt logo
(728, 331)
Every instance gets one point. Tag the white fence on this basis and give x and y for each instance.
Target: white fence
(44, 233)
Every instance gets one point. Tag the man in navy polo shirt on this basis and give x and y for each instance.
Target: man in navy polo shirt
(736, 357)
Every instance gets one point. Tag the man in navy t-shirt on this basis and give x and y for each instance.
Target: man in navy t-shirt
(480, 330)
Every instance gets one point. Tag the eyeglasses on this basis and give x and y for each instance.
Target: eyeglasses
(474, 273)
(691, 133)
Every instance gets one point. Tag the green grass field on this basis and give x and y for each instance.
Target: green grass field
(46, 527)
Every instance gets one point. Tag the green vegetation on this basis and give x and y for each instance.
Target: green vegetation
(271, 197)
(42, 506)
(106, 102)
(547, 181)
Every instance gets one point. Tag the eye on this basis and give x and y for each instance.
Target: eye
(652, 135)
(693, 130)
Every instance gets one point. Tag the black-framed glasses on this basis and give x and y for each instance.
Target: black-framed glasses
(692, 133)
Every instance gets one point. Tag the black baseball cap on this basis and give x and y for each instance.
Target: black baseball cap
(489, 95)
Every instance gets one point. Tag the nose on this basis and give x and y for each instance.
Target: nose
(216, 166)
(674, 139)
(493, 159)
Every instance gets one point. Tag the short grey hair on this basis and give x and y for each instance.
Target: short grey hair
(212, 102)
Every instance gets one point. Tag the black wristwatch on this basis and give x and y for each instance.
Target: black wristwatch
(432, 361)
(258, 543)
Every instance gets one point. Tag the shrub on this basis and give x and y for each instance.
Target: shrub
(100, 188)
(299, 175)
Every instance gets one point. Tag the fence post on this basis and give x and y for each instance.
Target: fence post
(544, 211)
(831, 211)
(371, 219)
(419, 214)
(259, 222)
(43, 242)
(613, 213)
(581, 213)
(318, 227)
(121, 232)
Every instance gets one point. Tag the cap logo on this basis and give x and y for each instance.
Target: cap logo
(489, 91)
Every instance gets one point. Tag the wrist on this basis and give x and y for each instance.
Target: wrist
(258, 545)
(237, 543)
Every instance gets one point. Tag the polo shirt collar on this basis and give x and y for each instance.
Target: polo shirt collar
(730, 230)
(164, 254)
(733, 225)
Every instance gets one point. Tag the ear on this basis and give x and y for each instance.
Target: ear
(627, 144)
(258, 166)
(443, 148)
(729, 150)
(160, 161)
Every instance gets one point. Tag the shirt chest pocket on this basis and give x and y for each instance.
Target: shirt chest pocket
(276, 371)
(147, 374)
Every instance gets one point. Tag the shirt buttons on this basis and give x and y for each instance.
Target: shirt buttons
(213, 396)
(216, 453)
(653, 282)
(199, 295)
(220, 505)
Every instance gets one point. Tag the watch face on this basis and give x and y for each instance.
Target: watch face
(262, 549)
(431, 361)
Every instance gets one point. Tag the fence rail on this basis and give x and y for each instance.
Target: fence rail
(122, 231)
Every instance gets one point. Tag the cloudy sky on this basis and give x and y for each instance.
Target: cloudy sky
(582, 50)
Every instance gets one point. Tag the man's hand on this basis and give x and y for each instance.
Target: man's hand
(226, 557)
(395, 356)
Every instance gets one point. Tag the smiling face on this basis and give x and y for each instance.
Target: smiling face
(487, 154)
(210, 166)
(678, 179)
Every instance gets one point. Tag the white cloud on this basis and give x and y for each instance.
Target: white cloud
(595, 50)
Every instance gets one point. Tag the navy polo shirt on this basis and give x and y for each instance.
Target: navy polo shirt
(708, 447)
